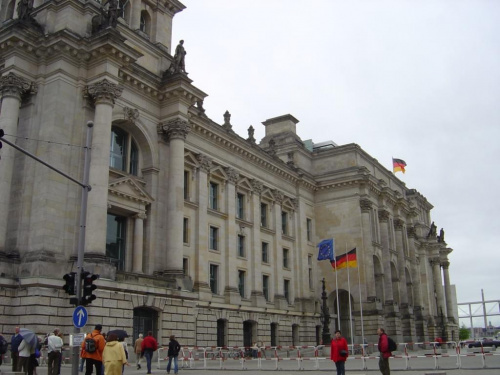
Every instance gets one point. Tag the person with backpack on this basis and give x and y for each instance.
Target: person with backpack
(148, 346)
(173, 352)
(339, 352)
(385, 352)
(92, 348)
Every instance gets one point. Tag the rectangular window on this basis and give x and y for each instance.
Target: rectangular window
(240, 206)
(186, 185)
(213, 196)
(241, 245)
(285, 258)
(214, 238)
(214, 278)
(185, 228)
(263, 215)
(309, 229)
(115, 240)
(284, 222)
(265, 252)
(265, 286)
(310, 273)
(185, 266)
(241, 283)
(286, 290)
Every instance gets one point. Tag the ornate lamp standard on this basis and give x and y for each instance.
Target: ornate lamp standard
(325, 317)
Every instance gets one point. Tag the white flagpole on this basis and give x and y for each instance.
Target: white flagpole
(337, 291)
(360, 300)
(350, 307)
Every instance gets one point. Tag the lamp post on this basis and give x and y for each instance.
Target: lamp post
(325, 317)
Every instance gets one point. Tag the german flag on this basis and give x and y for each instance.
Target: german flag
(398, 165)
(348, 259)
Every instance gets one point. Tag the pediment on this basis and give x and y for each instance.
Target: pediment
(190, 159)
(267, 194)
(129, 189)
(218, 172)
(245, 184)
(288, 204)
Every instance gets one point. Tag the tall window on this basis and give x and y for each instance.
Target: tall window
(286, 258)
(265, 252)
(214, 238)
(286, 290)
(185, 230)
(263, 215)
(124, 10)
(213, 196)
(115, 240)
(309, 229)
(145, 22)
(185, 266)
(310, 273)
(265, 286)
(241, 283)
(241, 245)
(124, 154)
(214, 278)
(240, 206)
(284, 222)
(186, 185)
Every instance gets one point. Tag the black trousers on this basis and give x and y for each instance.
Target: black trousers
(90, 364)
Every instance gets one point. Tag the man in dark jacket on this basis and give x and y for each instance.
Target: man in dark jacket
(14, 346)
(173, 353)
(148, 346)
(383, 348)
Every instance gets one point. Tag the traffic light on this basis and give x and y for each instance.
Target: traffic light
(88, 288)
(69, 287)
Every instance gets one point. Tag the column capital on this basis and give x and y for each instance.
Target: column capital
(366, 205)
(14, 86)
(174, 129)
(103, 92)
(232, 175)
(278, 196)
(398, 224)
(445, 264)
(435, 261)
(257, 186)
(205, 162)
(141, 216)
(383, 216)
(411, 232)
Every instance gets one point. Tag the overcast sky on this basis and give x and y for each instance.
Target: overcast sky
(416, 80)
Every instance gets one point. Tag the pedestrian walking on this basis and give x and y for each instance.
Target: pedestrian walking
(15, 341)
(173, 353)
(385, 354)
(54, 346)
(339, 352)
(113, 356)
(92, 348)
(148, 347)
(138, 351)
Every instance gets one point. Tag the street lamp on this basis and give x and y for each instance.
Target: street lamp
(325, 317)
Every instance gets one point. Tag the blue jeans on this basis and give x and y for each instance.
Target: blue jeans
(148, 353)
(176, 367)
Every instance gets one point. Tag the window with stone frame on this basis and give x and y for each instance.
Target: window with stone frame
(124, 153)
(214, 278)
(213, 195)
(187, 183)
(284, 222)
(214, 238)
(241, 282)
(286, 289)
(309, 229)
(240, 206)
(265, 252)
(286, 258)
(145, 22)
(265, 286)
(264, 222)
(241, 246)
(185, 230)
(116, 240)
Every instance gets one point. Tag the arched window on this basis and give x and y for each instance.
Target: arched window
(10, 10)
(124, 11)
(124, 153)
(145, 22)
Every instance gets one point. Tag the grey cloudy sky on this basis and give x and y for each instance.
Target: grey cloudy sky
(416, 80)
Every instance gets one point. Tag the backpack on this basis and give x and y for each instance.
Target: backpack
(90, 345)
(392, 344)
(3, 345)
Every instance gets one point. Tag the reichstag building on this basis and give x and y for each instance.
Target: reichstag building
(195, 230)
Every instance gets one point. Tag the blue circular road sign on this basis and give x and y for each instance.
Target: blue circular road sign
(80, 317)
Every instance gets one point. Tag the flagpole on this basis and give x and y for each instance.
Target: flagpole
(337, 291)
(360, 302)
(349, 289)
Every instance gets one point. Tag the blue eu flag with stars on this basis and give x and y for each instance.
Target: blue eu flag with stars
(326, 250)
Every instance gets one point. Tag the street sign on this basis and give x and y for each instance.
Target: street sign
(80, 317)
(76, 339)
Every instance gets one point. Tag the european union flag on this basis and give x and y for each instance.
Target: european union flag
(326, 250)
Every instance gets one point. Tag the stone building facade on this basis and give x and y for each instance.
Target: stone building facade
(194, 230)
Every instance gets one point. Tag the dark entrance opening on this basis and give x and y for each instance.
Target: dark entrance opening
(145, 319)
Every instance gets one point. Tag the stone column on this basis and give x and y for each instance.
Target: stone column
(383, 217)
(12, 88)
(368, 272)
(175, 132)
(138, 242)
(276, 256)
(447, 291)
(231, 291)
(201, 238)
(399, 234)
(104, 94)
(255, 248)
(438, 286)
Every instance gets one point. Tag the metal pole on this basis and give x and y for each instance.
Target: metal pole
(81, 238)
(326, 317)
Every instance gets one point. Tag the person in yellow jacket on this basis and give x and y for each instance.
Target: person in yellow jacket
(92, 348)
(113, 356)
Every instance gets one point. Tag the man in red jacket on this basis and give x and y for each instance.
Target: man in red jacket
(339, 352)
(148, 346)
(383, 348)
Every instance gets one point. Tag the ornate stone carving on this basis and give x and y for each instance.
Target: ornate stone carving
(12, 85)
(278, 196)
(251, 132)
(131, 114)
(411, 232)
(232, 175)
(435, 261)
(445, 264)
(398, 224)
(141, 215)
(365, 204)
(199, 105)
(383, 216)
(295, 203)
(104, 92)
(272, 147)
(205, 162)
(227, 121)
(257, 186)
(175, 129)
